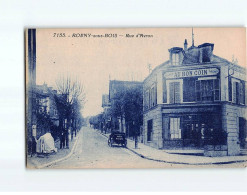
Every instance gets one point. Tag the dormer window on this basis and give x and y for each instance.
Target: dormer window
(175, 59)
(176, 56)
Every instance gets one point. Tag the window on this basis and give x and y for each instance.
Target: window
(216, 89)
(208, 90)
(150, 97)
(164, 91)
(146, 100)
(189, 90)
(174, 92)
(175, 130)
(175, 59)
(238, 92)
(150, 130)
(153, 96)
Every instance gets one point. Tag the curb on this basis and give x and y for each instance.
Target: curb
(61, 159)
(183, 163)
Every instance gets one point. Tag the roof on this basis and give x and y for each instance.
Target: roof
(44, 90)
(125, 82)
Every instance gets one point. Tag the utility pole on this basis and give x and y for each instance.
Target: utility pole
(31, 92)
(192, 38)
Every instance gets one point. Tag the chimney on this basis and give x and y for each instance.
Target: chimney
(206, 52)
(185, 45)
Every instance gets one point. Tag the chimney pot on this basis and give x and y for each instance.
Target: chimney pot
(185, 45)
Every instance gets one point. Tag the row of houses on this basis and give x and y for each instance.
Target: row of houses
(192, 100)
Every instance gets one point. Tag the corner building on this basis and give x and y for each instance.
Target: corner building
(195, 99)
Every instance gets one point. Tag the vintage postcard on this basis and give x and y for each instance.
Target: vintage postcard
(136, 98)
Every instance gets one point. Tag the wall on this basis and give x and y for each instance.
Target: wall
(230, 123)
(156, 115)
(224, 83)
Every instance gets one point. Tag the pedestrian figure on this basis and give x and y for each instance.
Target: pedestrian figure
(62, 139)
(66, 139)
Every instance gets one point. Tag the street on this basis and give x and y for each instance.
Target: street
(92, 151)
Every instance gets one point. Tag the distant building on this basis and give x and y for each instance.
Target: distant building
(45, 103)
(105, 102)
(116, 87)
(106, 117)
(193, 98)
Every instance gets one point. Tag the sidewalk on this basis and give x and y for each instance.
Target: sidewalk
(44, 161)
(185, 156)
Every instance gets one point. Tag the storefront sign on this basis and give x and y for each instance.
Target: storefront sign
(192, 73)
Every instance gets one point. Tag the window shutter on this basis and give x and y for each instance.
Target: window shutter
(164, 91)
(198, 90)
(216, 89)
(234, 92)
(155, 94)
(242, 92)
(245, 93)
(171, 92)
(189, 90)
(153, 97)
(237, 92)
(177, 92)
(230, 88)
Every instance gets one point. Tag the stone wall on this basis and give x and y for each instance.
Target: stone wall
(154, 114)
(230, 123)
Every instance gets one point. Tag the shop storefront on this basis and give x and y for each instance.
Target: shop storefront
(191, 127)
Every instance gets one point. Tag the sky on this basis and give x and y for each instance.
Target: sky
(94, 60)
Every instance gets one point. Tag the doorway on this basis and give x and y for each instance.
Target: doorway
(242, 132)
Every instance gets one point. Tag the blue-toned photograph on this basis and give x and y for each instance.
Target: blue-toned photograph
(136, 98)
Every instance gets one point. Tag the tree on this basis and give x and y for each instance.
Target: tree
(133, 109)
(70, 101)
(128, 105)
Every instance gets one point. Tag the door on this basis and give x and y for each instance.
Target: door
(242, 131)
(150, 129)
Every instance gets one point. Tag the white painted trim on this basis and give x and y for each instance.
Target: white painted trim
(207, 78)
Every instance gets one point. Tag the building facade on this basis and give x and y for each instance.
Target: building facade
(46, 107)
(195, 99)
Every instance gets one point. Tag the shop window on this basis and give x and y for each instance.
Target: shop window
(174, 92)
(207, 90)
(149, 130)
(175, 130)
(175, 59)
